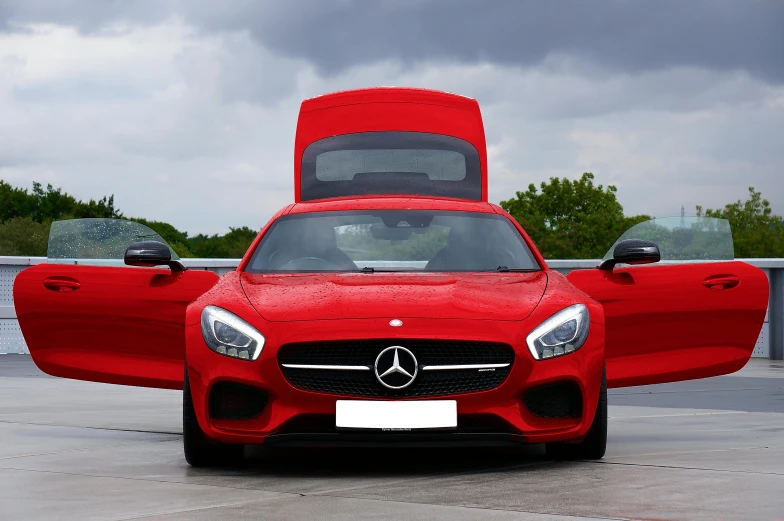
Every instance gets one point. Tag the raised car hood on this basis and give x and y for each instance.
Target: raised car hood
(330, 296)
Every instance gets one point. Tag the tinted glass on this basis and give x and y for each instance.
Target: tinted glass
(393, 240)
(344, 165)
(96, 241)
(376, 163)
(685, 238)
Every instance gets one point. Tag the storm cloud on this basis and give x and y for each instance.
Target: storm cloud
(186, 109)
(334, 35)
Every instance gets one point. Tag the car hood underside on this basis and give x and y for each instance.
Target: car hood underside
(330, 296)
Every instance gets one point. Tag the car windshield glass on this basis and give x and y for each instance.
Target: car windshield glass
(392, 240)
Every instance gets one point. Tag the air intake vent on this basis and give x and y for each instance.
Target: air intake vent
(555, 400)
(232, 401)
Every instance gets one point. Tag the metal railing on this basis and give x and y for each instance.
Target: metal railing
(770, 343)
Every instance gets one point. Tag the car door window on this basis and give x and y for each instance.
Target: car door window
(684, 239)
(96, 241)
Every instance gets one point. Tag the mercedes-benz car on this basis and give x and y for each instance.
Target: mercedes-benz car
(391, 302)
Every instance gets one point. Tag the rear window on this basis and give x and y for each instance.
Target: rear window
(344, 165)
(382, 163)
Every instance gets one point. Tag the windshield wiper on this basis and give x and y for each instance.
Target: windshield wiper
(367, 270)
(505, 269)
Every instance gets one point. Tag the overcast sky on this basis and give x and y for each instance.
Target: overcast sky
(186, 109)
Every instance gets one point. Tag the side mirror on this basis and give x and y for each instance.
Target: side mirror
(151, 253)
(632, 251)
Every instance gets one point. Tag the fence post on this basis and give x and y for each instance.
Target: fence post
(776, 314)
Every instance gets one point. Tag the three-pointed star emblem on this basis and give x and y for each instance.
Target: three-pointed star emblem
(396, 367)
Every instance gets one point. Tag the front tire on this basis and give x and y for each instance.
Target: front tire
(200, 451)
(594, 445)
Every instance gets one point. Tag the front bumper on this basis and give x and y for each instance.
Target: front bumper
(294, 416)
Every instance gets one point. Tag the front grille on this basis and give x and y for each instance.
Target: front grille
(555, 400)
(364, 353)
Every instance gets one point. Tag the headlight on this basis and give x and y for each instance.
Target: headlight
(561, 334)
(227, 334)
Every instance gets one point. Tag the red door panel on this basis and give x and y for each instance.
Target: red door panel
(666, 323)
(119, 325)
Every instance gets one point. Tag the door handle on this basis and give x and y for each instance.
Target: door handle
(721, 281)
(61, 284)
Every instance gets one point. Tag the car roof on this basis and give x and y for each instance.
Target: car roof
(392, 203)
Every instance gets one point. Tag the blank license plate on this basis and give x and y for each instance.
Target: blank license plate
(371, 414)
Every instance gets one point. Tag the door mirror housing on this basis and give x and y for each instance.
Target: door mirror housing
(151, 253)
(632, 251)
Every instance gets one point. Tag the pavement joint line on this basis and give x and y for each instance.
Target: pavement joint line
(295, 494)
(676, 415)
(413, 479)
(324, 493)
(79, 449)
(486, 470)
(676, 467)
(372, 499)
(94, 428)
(333, 494)
(409, 479)
(198, 509)
(476, 507)
(149, 480)
(357, 487)
(686, 452)
(692, 391)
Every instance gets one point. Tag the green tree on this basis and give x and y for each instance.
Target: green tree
(571, 219)
(15, 202)
(231, 245)
(565, 218)
(49, 204)
(756, 232)
(24, 237)
(177, 239)
(25, 217)
(238, 240)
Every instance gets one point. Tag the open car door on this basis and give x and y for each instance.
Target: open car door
(86, 315)
(696, 313)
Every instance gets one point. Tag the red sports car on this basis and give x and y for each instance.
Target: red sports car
(391, 303)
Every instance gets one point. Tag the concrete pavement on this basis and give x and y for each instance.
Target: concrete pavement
(711, 449)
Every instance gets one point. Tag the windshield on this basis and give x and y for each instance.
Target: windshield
(392, 240)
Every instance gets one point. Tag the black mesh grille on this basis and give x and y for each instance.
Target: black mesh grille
(364, 352)
(555, 400)
(232, 401)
